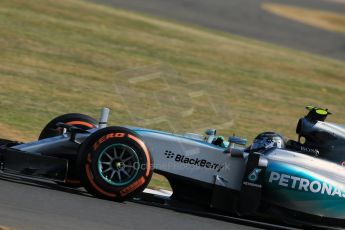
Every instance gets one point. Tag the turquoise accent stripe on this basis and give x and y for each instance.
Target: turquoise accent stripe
(288, 193)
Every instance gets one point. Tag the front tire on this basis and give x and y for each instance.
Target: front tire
(115, 164)
(76, 119)
(51, 130)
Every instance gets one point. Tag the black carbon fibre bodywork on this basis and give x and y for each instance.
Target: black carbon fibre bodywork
(23, 163)
(328, 139)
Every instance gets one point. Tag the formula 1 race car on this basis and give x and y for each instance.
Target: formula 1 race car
(299, 182)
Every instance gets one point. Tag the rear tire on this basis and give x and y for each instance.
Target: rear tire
(51, 130)
(114, 164)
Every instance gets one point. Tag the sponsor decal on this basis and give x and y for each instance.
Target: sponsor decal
(132, 186)
(107, 137)
(169, 154)
(193, 161)
(306, 185)
(252, 184)
(254, 175)
(304, 149)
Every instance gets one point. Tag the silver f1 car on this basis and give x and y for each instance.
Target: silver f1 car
(300, 182)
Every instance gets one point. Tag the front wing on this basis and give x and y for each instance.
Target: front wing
(36, 165)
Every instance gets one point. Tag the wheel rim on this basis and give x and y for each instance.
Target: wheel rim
(118, 164)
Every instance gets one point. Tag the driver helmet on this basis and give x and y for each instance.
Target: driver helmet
(267, 140)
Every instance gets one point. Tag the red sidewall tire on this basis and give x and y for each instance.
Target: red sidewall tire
(76, 119)
(89, 168)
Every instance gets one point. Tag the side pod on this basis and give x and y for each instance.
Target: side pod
(252, 182)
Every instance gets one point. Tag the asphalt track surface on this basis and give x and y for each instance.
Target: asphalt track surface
(247, 18)
(40, 205)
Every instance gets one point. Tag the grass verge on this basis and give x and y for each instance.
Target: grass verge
(72, 56)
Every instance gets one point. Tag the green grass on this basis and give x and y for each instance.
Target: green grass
(71, 56)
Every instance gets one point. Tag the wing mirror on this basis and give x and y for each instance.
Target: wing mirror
(237, 140)
(211, 133)
(236, 152)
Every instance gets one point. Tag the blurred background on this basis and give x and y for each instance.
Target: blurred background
(241, 66)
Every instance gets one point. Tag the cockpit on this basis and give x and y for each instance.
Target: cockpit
(315, 137)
